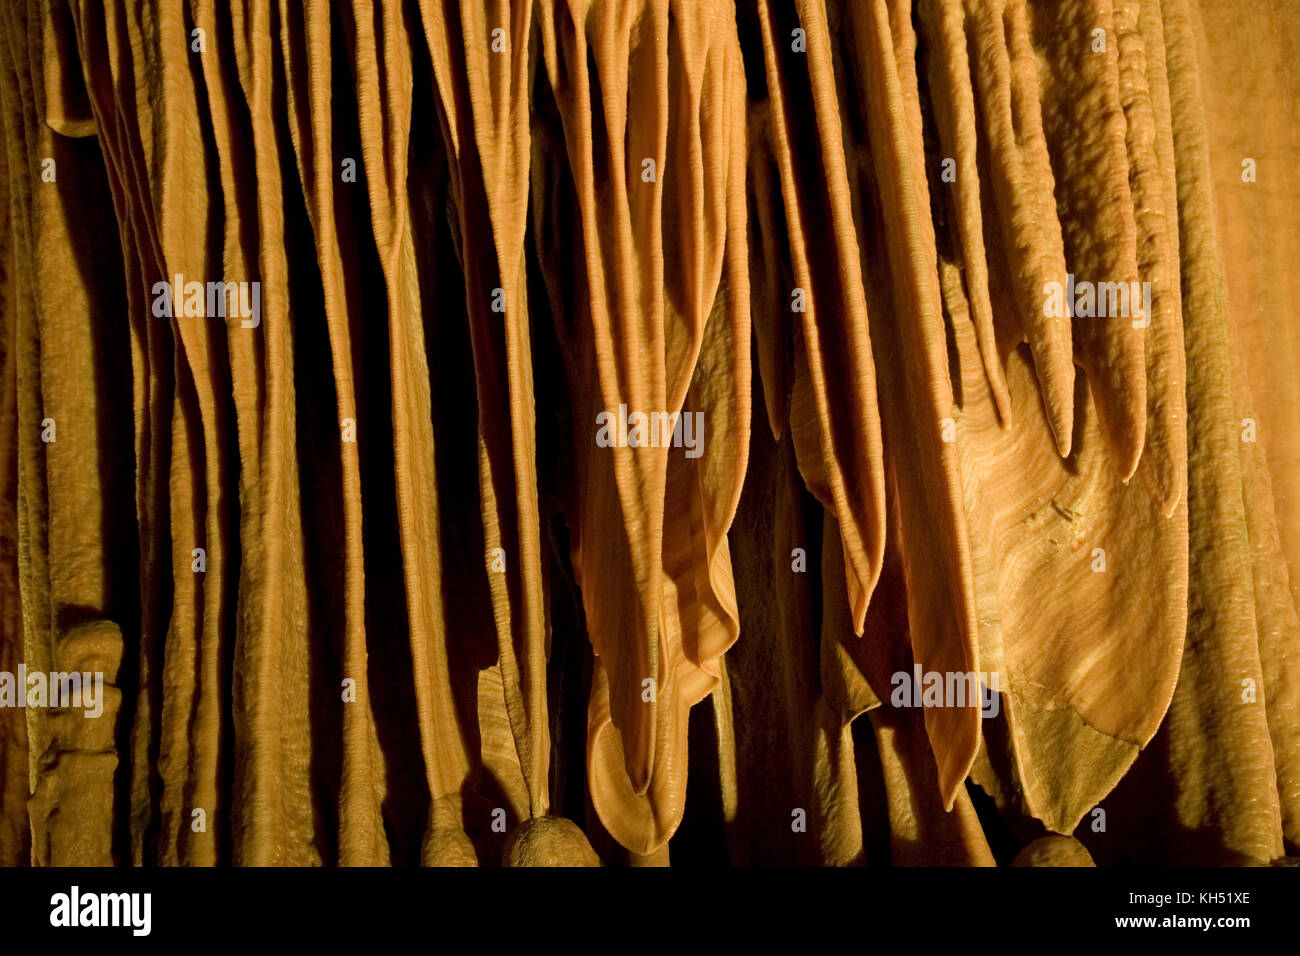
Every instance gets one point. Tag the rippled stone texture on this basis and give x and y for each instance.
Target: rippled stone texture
(314, 319)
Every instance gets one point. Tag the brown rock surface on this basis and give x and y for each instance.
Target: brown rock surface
(557, 432)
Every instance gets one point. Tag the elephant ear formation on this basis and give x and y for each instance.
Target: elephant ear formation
(565, 432)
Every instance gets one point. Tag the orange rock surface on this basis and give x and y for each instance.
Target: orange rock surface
(580, 432)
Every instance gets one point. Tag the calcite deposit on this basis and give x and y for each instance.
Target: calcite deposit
(649, 432)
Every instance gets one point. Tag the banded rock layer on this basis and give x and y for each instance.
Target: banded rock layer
(577, 431)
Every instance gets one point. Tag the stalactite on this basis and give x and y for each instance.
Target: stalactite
(577, 432)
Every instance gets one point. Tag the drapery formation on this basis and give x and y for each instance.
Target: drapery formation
(763, 431)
